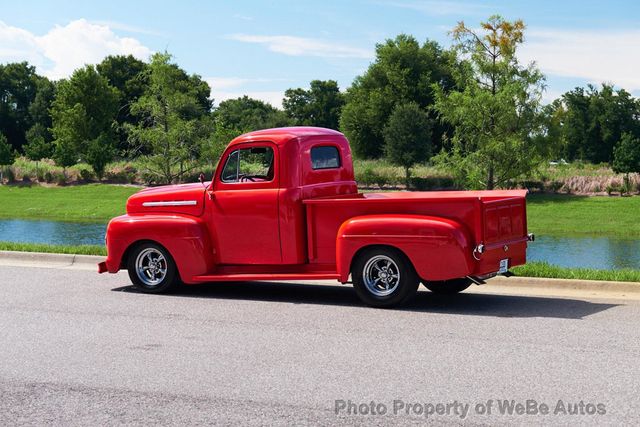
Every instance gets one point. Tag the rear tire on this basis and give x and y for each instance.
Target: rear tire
(151, 268)
(384, 277)
(448, 287)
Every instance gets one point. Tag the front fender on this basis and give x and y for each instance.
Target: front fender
(438, 248)
(185, 237)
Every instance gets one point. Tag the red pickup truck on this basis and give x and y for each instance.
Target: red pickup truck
(283, 204)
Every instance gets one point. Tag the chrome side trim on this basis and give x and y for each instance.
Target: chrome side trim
(171, 203)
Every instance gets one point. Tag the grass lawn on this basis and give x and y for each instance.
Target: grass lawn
(564, 215)
(90, 203)
(55, 249)
(542, 269)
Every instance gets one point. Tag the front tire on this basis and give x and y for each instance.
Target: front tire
(448, 287)
(384, 277)
(151, 268)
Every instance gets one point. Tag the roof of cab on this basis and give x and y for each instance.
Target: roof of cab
(282, 135)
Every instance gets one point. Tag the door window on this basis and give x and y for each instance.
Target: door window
(253, 164)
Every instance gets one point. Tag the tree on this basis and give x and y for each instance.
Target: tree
(40, 115)
(83, 114)
(37, 148)
(247, 114)
(407, 137)
(496, 113)
(18, 87)
(128, 75)
(626, 157)
(7, 155)
(321, 105)
(596, 120)
(171, 119)
(403, 72)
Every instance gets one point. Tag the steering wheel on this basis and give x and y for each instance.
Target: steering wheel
(245, 178)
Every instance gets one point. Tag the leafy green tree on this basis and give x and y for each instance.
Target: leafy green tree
(247, 114)
(37, 148)
(321, 105)
(83, 114)
(172, 120)
(129, 76)
(595, 121)
(7, 155)
(407, 137)
(626, 157)
(18, 88)
(404, 71)
(497, 113)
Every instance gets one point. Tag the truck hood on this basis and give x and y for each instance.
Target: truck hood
(185, 199)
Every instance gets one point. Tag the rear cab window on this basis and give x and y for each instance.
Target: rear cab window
(325, 157)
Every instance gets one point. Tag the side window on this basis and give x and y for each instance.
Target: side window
(325, 157)
(249, 165)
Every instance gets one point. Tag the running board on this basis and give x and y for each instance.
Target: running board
(271, 276)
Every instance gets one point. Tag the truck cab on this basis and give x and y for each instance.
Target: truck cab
(283, 204)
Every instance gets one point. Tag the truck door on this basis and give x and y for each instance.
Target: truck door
(245, 206)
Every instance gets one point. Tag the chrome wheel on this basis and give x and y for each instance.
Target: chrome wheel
(151, 267)
(381, 275)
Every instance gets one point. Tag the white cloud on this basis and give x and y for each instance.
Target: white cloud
(271, 97)
(223, 88)
(596, 56)
(64, 48)
(301, 46)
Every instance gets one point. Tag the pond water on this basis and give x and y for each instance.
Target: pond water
(52, 232)
(604, 253)
(593, 252)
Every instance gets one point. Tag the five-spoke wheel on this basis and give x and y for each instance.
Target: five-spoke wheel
(383, 277)
(151, 268)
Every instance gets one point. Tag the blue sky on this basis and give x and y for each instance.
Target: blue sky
(261, 48)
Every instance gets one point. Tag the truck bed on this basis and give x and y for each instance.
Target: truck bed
(495, 219)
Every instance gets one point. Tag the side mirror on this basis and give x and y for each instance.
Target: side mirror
(201, 177)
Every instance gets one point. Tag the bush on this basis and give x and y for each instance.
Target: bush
(60, 178)
(532, 185)
(614, 187)
(555, 186)
(432, 183)
(10, 174)
(126, 174)
(86, 175)
(48, 177)
(367, 177)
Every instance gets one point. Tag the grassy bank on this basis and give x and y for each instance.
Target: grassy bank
(565, 215)
(55, 249)
(91, 203)
(542, 269)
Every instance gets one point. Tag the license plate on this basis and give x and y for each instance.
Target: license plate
(504, 266)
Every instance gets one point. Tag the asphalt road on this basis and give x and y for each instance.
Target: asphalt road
(79, 348)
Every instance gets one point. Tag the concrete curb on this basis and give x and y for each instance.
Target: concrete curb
(49, 259)
(90, 262)
(566, 284)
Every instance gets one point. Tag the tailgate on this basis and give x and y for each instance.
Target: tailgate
(504, 220)
(504, 234)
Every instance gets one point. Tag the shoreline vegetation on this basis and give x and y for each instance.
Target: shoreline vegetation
(575, 178)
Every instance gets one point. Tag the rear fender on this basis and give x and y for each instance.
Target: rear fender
(438, 248)
(186, 238)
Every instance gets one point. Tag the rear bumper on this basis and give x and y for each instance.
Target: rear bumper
(488, 261)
